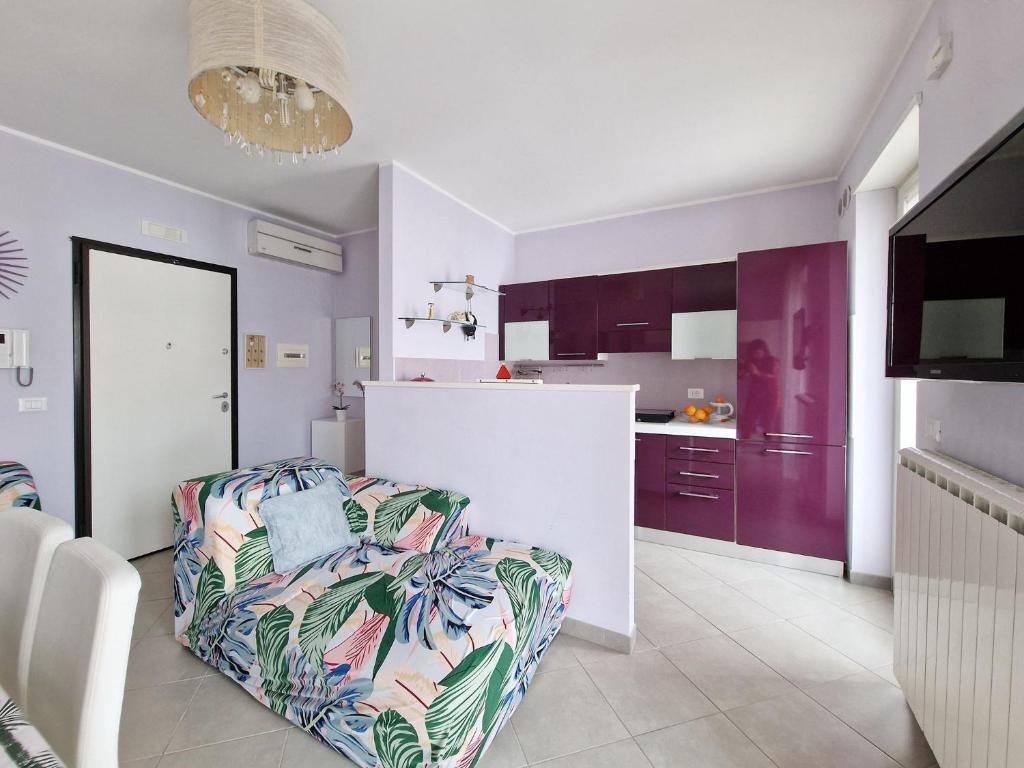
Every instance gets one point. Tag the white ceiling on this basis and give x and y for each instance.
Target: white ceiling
(534, 112)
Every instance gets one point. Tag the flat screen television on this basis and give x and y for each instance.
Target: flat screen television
(956, 272)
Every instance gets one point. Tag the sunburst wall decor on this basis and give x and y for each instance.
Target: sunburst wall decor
(13, 265)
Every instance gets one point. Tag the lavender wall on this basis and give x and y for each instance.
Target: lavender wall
(50, 195)
(979, 93)
(433, 236)
(356, 294)
(692, 234)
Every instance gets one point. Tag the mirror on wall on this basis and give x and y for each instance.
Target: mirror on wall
(353, 353)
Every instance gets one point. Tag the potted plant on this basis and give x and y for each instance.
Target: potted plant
(340, 410)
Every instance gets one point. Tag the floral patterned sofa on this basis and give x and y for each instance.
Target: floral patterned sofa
(17, 488)
(411, 649)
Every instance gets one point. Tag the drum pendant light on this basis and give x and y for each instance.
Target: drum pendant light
(273, 75)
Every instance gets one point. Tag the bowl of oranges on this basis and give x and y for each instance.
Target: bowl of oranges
(697, 414)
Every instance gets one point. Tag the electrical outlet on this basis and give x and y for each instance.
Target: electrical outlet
(696, 393)
(933, 429)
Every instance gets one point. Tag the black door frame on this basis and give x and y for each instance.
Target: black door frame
(80, 248)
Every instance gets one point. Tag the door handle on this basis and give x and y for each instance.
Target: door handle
(569, 354)
(789, 434)
(699, 474)
(699, 450)
(628, 325)
(697, 495)
(221, 396)
(789, 453)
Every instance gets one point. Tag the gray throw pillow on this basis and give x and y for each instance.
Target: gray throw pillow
(306, 525)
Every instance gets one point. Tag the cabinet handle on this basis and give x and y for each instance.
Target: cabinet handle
(789, 453)
(711, 496)
(569, 354)
(629, 325)
(699, 474)
(700, 450)
(789, 434)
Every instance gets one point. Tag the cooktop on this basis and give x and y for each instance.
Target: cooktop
(655, 415)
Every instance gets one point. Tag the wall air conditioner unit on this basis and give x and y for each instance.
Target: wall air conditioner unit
(277, 242)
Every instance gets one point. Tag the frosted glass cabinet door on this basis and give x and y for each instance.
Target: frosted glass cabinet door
(526, 341)
(704, 335)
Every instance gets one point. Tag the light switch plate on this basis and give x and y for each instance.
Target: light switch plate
(32, 404)
(933, 429)
(696, 393)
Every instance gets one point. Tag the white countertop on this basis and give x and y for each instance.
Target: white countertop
(510, 384)
(678, 427)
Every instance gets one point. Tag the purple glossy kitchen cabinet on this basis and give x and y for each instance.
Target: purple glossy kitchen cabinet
(792, 345)
(791, 403)
(573, 331)
(649, 505)
(522, 302)
(525, 302)
(704, 287)
(635, 311)
(791, 497)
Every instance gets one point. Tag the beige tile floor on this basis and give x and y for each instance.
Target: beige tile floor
(737, 665)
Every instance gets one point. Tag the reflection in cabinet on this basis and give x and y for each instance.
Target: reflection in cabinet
(525, 302)
(792, 345)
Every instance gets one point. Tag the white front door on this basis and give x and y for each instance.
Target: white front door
(159, 387)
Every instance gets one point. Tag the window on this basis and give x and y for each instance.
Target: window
(908, 193)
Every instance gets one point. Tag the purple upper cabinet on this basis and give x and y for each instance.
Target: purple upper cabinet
(635, 311)
(573, 290)
(792, 352)
(573, 331)
(522, 302)
(574, 318)
(636, 300)
(704, 287)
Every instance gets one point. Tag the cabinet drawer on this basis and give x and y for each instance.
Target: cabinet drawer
(714, 449)
(700, 511)
(703, 473)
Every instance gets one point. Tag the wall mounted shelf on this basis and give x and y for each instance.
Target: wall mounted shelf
(469, 290)
(446, 325)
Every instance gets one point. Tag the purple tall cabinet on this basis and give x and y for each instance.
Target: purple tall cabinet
(791, 425)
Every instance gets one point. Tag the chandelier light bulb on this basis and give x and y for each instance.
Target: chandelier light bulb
(304, 99)
(249, 88)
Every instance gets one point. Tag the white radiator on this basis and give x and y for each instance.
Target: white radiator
(959, 624)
